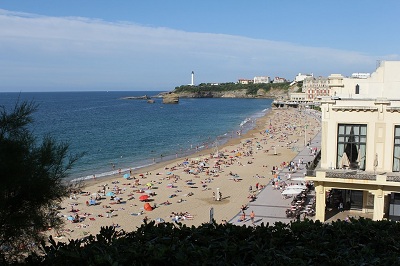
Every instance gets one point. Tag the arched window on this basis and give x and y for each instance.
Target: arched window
(357, 89)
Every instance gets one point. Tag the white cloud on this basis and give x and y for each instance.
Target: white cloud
(72, 53)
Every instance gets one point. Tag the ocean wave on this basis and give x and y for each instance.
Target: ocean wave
(110, 173)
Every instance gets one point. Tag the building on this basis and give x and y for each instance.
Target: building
(385, 80)
(360, 75)
(245, 81)
(261, 79)
(299, 97)
(316, 88)
(300, 77)
(279, 80)
(360, 145)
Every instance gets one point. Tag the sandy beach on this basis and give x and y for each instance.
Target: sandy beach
(186, 189)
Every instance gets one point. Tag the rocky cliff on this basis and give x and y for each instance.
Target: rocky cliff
(273, 93)
(170, 98)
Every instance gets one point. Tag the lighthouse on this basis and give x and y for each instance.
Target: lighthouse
(191, 84)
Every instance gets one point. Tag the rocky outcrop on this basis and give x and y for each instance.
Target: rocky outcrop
(233, 94)
(272, 93)
(171, 98)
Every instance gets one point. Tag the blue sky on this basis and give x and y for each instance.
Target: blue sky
(51, 45)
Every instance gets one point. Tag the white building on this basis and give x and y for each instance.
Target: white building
(300, 77)
(279, 80)
(360, 145)
(385, 80)
(262, 79)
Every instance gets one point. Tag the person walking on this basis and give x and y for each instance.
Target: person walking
(252, 215)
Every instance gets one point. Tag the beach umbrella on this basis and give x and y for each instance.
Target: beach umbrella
(110, 193)
(147, 207)
(149, 184)
(70, 218)
(185, 162)
(169, 173)
(144, 197)
(126, 176)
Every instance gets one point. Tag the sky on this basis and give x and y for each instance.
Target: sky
(124, 45)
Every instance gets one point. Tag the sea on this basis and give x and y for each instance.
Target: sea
(114, 133)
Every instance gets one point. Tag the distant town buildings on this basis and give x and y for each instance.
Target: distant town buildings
(261, 80)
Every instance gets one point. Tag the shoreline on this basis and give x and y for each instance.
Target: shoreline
(247, 163)
(154, 166)
(150, 162)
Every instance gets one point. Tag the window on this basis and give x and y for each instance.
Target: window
(351, 149)
(357, 89)
(396, 150)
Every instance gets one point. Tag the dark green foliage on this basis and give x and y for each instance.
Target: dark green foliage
(251, 89)
(30, 181)
(361, 242)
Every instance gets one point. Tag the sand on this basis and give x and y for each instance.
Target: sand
(191, 186)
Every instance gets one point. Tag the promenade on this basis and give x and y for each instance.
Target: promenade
(270, 205)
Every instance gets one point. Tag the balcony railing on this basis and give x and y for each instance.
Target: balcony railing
(393, 178)
(350, 175)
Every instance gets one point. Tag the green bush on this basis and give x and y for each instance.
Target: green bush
(359, 242)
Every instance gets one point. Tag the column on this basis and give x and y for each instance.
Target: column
(320, 199)
(379, 203)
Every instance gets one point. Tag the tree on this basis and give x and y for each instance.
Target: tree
(31, 181)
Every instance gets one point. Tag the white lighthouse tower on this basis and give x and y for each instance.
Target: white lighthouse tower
(191, 84)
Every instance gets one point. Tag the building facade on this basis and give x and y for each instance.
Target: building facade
(360, 146)
(315, 88)
(384, 81)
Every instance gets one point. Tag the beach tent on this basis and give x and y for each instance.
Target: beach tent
(148, 207)
(144, 197)
(126, 176)
(110, 194)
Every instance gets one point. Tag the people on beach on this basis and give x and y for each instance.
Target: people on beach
(252, 215)
(206, 173)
